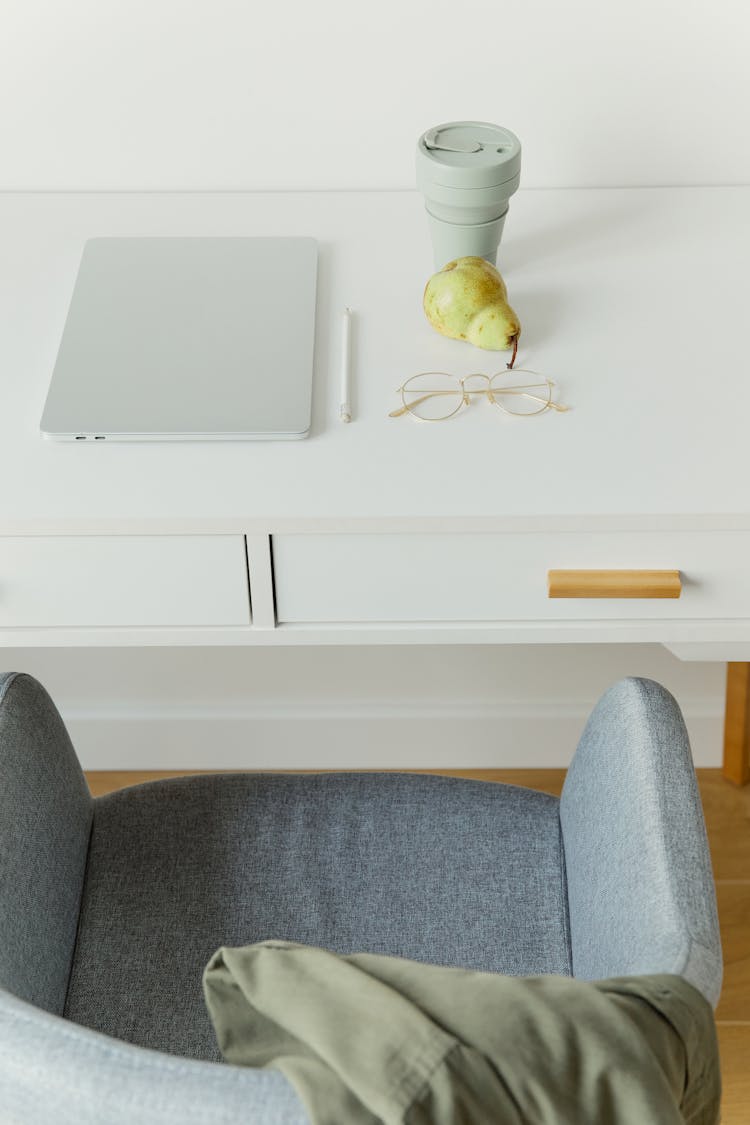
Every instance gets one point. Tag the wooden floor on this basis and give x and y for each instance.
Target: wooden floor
(727, 812)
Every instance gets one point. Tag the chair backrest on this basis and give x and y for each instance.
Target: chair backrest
(53, 1071)
(641, 893)
(45, 822)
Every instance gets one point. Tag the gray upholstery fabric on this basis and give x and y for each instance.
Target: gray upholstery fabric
(45, 817)
(430, 868)
(434, 869)
(54, 1073)
(640, 886)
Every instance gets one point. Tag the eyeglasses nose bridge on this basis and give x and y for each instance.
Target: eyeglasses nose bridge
(463, 379)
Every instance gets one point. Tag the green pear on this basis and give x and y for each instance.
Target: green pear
(467, 300)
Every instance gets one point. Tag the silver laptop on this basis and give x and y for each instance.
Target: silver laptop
(184, 339)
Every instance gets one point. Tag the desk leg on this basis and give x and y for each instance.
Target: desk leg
(737, 724)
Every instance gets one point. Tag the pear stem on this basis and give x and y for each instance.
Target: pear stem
(515, 352)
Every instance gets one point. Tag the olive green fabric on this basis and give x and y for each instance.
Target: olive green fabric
(368, 1038)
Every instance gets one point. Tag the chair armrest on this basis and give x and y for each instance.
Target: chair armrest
(641, 893)
(52, 1070)
(45, 822)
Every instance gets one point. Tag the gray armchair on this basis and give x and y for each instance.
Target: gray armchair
(110, 908)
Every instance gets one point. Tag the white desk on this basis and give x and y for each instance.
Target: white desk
(386, 530)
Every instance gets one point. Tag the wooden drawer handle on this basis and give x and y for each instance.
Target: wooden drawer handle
(614, 584)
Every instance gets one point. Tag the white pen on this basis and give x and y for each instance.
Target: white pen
(345, 411)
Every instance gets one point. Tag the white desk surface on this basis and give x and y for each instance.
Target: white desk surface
(634, 300)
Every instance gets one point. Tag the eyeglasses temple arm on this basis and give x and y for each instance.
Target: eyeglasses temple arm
(418, 402)
(537, 398)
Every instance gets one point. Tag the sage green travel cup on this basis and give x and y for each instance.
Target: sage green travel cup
(467, 172)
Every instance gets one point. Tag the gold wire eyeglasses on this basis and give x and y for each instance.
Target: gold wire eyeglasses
(435, 396)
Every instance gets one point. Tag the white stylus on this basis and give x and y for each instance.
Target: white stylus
(345, 411)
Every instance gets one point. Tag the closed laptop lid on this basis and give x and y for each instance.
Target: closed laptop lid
(184, 338)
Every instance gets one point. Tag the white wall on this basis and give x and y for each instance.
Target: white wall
(359, 707)
(231, 94)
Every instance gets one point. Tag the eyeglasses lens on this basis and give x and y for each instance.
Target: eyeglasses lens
(521, 392)
(432, 396)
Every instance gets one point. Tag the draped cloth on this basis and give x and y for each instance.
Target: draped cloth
(367, 1038)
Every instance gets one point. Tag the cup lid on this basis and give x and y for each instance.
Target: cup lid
(468, 154)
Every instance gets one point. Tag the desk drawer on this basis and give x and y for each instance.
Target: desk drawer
(130, 580)
(501, 577)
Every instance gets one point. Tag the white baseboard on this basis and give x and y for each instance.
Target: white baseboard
(293, 736)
